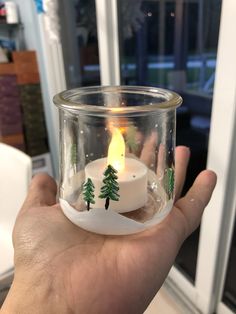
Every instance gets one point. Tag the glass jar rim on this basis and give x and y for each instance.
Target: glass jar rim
(62, 99)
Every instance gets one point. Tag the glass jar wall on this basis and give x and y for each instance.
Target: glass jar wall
(117, 157)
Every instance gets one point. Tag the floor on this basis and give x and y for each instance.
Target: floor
(164, 303)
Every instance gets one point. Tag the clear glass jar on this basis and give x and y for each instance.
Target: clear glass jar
(117, 146)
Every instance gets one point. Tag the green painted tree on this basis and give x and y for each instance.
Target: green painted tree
(111, 187)
(88, 195)
(169, 181)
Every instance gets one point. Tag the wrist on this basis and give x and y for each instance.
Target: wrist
(34, 294)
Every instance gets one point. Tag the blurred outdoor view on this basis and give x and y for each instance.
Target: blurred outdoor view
(173, 44)
(169, 43)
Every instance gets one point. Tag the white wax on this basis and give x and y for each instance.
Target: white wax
(132, 182)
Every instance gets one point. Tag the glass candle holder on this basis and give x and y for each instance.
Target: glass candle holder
(117, 147)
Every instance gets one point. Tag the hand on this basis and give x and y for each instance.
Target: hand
(60, 268)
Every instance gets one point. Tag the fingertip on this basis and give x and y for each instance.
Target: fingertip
(43, 180)
(152, 139)
(182, 155)
(208, 178)
(181, 149)
(42, 176)
(153, 135)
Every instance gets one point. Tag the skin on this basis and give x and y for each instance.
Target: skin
(60, 268)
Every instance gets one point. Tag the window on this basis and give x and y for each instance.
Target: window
(79, 42)
(173, 44)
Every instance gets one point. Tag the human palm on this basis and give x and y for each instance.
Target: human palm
(89, 273)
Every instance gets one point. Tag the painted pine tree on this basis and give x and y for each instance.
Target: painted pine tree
(88, 193)
(169, 181)
(111, 187)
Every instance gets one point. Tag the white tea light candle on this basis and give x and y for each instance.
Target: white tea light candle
(132, 182)
(129, 176)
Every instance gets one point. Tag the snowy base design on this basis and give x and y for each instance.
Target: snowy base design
(108, 222)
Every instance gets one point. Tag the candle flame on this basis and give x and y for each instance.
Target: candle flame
(116, 150)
